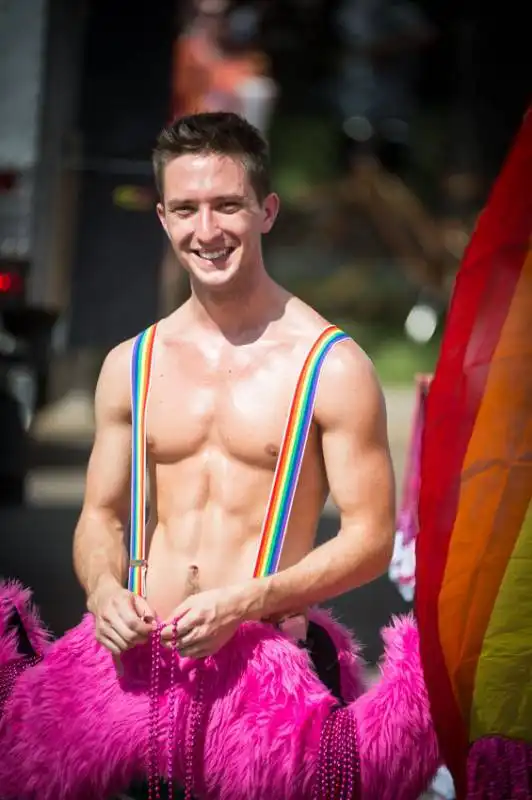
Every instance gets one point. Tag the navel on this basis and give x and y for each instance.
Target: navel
(193, 586)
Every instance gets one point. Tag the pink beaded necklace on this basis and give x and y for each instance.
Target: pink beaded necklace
(338, 776)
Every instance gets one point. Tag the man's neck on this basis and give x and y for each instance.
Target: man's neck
(240, 314)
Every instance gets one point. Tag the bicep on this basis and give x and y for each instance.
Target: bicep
(109, 468)
(355, 447)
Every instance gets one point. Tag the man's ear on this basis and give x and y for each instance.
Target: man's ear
(162, 217)
(270, 209)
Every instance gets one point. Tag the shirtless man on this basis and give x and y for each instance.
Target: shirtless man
(225, 366)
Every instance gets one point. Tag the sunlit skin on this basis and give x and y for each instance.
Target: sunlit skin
(224, 371)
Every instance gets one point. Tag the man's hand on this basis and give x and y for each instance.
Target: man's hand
(122, 619)
(206, 621)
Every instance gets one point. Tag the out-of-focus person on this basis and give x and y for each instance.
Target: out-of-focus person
(219, 64)
(376, 84)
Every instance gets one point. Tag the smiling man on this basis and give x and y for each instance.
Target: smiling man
(225, 367)
(205, 660)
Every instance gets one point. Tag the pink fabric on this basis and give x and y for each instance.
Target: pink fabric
(402, 569)
(407, 522)
(72, 730)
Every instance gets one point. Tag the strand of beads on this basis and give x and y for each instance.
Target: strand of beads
(195, 716)
(338, 773)
(325, 763)
(196, 713)
(9, 674)
(154, 783)
(172, 713)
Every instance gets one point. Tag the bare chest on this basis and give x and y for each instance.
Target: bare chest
(237, 404)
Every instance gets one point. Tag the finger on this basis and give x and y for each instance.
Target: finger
(195, 652)
(185, 652)
(180, 612)
(186, 624)
(132, 621)
(194, 638)
(190, 639)
(169, 633)
(109, 634)
(126, 632)
(143, 610)
(118, 664)
(182, 627)
(109, 644)
(196, 642)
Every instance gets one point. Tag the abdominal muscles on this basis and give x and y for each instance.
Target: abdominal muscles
(205, 526)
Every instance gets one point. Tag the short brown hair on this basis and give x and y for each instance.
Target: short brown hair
(219, 133)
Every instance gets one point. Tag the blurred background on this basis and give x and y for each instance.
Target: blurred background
(388, 122)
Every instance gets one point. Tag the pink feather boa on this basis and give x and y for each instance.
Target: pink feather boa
(73, 730)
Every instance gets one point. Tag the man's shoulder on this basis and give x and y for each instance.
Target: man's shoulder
(348, 377)
(348, 368)
(346, 355)
(120, 355)
(349, 387)
(116, 367)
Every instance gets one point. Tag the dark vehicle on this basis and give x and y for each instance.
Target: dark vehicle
(24, 357)
(17, 393)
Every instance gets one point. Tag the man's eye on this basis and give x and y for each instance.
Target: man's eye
(183, 211)
(229, 208)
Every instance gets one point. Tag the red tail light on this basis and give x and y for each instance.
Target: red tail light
(10, 283)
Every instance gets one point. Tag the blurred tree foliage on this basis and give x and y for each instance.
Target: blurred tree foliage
(364, 249)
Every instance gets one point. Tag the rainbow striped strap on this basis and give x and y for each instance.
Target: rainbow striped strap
(140, 381)
(291, 455)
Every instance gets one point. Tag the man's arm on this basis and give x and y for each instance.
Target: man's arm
(100, 556)
(99, 549)
(350, 412)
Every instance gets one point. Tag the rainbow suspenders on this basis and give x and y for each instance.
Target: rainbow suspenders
(286, 473)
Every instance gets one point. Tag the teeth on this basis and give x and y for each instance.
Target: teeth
(213, 254)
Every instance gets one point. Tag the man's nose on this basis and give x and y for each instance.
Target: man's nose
(207, 229)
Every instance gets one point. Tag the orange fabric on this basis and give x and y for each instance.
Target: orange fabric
(231, 71)
(193, 67)
(200, 72)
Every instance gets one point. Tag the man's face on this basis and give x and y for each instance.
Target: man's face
(213, 217)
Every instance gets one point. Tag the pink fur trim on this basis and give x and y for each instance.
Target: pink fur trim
(259, 691)
(14, 595)
(397, 743)
(73, 731)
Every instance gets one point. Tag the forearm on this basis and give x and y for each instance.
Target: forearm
(100, 556)
(333, 568)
